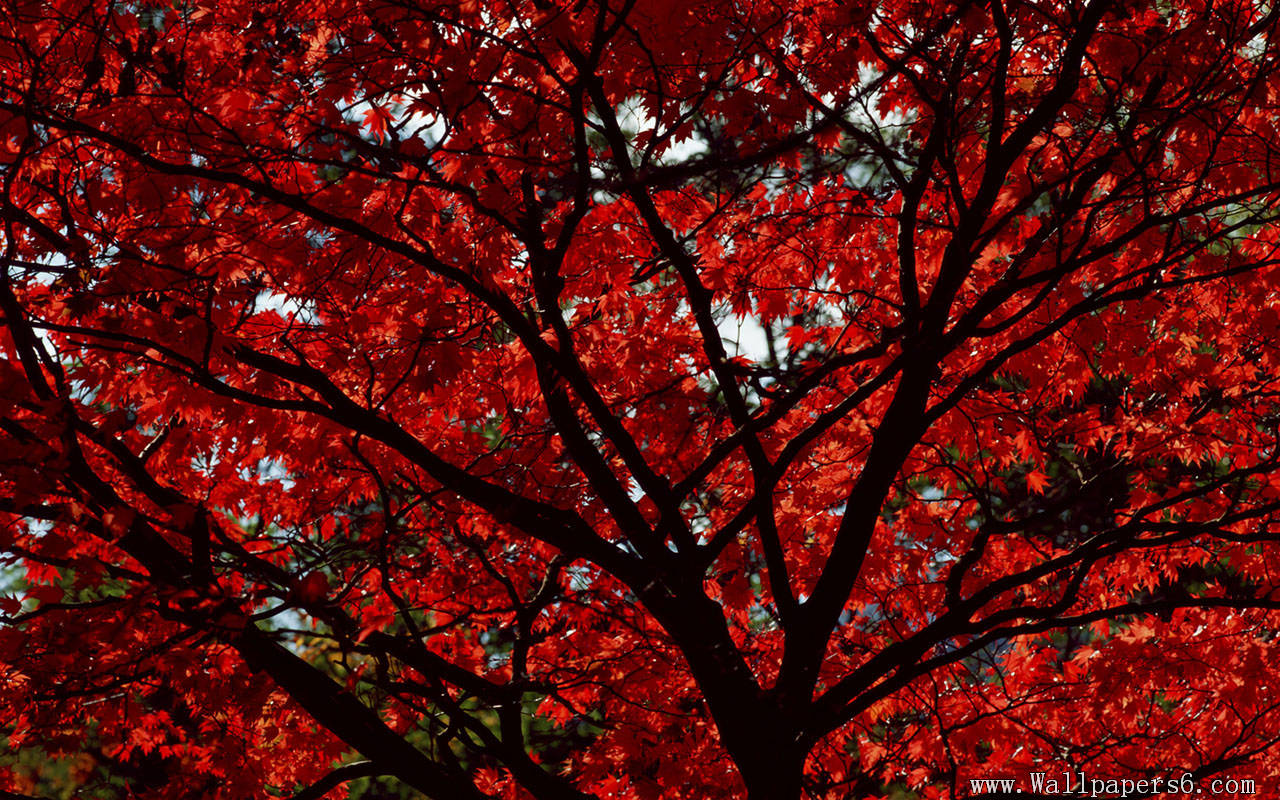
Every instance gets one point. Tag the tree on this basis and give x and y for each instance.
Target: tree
(637, 399)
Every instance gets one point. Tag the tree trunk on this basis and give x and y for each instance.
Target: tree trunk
(774, 771)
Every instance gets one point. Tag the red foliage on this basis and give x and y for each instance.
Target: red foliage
(638, 400)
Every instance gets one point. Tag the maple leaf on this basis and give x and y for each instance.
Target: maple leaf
(378, 120)
(1037, 481)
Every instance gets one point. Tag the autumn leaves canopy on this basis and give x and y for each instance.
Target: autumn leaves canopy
(636, 399)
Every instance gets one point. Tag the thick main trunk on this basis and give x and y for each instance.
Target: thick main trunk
(774, 773)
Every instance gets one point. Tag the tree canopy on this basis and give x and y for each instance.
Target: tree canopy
(636, 399)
